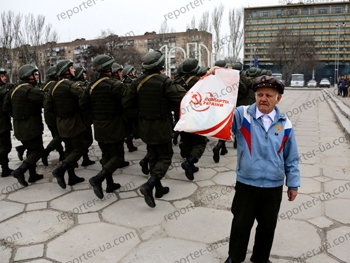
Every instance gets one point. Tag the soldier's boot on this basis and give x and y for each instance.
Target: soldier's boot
(124, 164)
(86, 160)
(111, 185)
(229, 260)
(176, 137)
(46, 155)
(59, 172)
(6, 171)
(129, 143)
(96, 183)
(20, 151)
(216, 151)
(147, 190)
(144, 163)
(33, 176)
(189, 167)
(223, 149)
(73, 178)
(161, 190)
(62, 155)
(181, 150)
(19, 174)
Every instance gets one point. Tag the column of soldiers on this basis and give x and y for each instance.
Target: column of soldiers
(119, 105)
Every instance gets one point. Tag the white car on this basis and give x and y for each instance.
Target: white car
(325, 83)
(312, 83)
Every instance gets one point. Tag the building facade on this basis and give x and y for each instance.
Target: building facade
(328, 23)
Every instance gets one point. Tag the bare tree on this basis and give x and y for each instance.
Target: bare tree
(292, 53)
(203, 24)
(216, 21)
(164, 28)
(236, 33)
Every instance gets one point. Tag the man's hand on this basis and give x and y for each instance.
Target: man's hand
(292, 194)
(212, 70)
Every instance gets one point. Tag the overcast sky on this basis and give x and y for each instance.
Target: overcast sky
(89, 17)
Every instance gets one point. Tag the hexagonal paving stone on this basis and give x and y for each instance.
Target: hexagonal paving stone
(288, 241)
(100, 242)
(9, 185)
(225, 178)
(5, 254)
(338, 242)
(196, 223)
(34, 227)
(83, 201)
(178, 189)
(216, 196)
(335, 172)
(307, 170)
(37, 193)
(333, 208)
(129, 182)
(309, 185)
(9, 209)
(168, 250)
(134, 212)
(303, 207)
(338, 188)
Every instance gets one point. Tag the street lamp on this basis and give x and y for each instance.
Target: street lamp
(336, 62)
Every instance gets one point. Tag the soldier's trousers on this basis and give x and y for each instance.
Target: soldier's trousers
(88, 137)
(112, 155)
(193, 145)
(74, 149)
(35, 150)
(5, 146)
(56, 141)
(160, 156)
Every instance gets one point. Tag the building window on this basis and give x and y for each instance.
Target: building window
(338, 9)
(322, 10)
(264, 13)
(307, 11)
(279, 12)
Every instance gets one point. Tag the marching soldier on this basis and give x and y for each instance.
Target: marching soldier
(81, 79)
(153, 93)
(5, 127)
(192, 145)
(104, 98)
(63, 101)
(24, 102)
(50, 120)
(117, 71)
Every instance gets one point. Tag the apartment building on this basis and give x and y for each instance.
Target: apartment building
(328, 22)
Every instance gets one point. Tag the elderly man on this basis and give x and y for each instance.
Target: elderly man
(267, 155)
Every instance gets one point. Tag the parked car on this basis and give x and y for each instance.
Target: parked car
(325, 83)
(312, 83)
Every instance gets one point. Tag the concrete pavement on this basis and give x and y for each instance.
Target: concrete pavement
(43, 223)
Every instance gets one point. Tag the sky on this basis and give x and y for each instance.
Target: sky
(73, 19)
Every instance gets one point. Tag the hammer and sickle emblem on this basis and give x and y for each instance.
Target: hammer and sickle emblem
(196, 99)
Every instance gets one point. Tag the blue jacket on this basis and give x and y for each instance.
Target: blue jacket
(264, 159)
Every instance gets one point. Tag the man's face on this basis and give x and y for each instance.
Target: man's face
(266, 99)
(72, 71)
(2, 78)
(36, 76)
(120, 74)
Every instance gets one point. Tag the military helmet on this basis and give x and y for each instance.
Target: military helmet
(263, 72)
(202, 71)
(269, 72)
(79, 72)
(253, 72)
(3, 71)
(63, 66)
(268, 81)
(51, 71)
(102, 62)
(116, 67)
(179, 70)
(221, 63)
(190, 66)
(153, 60)
(26, 70)
(127, 70)
(237, 66)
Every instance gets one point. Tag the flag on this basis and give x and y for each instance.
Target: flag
(256, 60)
